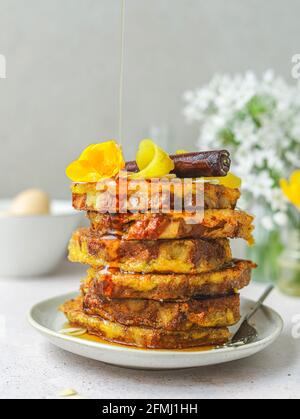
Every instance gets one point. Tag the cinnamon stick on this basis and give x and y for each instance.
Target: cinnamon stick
(199, 164)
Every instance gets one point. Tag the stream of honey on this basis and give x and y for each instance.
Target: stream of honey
(122, 60)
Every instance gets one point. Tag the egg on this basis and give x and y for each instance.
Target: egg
(31, 202)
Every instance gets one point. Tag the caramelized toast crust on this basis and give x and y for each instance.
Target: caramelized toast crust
(101, 197)
(113, 284)
(179, 316)
(216, 224)
(164, 256)
(142, 337)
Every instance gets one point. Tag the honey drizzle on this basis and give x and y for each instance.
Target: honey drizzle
(122, 60)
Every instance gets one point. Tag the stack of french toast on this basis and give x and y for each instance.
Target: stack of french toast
(159, 280)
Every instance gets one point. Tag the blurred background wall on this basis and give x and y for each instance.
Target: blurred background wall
(61, 90)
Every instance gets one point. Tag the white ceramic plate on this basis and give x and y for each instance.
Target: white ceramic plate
(46, 319)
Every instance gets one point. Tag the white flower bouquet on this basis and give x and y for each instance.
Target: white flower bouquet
(258, 120)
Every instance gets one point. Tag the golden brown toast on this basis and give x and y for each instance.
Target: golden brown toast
(113, 284)
(179, 316)
(100, 197)
(164, 256)
(142, 337)
(216, 224)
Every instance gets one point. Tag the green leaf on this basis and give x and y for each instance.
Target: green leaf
(228, 138)
(261, 105)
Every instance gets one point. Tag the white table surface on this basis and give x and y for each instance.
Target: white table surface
(30, 367)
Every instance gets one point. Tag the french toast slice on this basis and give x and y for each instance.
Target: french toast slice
(113, 284)
(141, 337)
(107, 194)
(177, 316)
(160, 256)
(216, 224)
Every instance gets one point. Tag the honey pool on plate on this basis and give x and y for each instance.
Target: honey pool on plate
(92, 338)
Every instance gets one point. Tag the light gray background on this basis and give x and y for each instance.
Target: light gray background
(63, 61)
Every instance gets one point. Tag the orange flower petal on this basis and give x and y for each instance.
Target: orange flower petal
(87, 152)
(295, 178)
(98, 161)
(81, 171)
(291, 188)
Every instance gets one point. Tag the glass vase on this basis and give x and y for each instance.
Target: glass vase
(266, 253)
(289, 264)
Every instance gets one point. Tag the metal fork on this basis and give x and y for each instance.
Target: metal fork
(247, 333)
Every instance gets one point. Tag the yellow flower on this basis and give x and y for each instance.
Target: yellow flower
(98, 161)
(230, 181)
(152, 161)
(291, 188)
